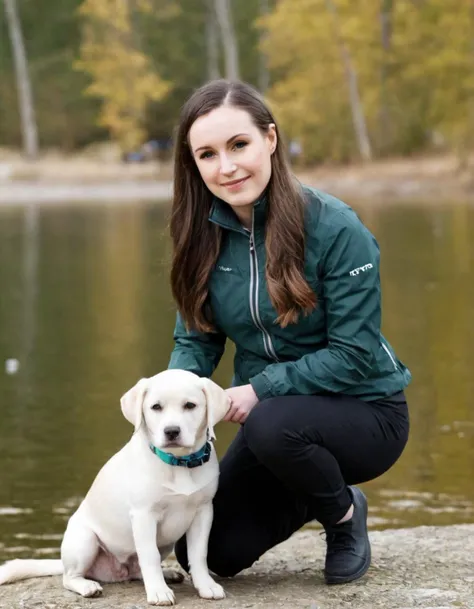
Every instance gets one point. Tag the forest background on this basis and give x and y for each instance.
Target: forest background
(349, 80)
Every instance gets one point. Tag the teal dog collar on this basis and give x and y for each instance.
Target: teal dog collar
(194, 460)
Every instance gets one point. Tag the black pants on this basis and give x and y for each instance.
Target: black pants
(290, 463)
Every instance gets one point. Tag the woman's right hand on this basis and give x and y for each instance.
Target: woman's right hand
(242, 400)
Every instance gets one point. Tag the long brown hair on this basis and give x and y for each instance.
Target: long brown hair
(196, 241)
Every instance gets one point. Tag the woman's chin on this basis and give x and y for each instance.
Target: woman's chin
(239, 199)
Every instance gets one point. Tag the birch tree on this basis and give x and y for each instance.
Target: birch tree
(358, 117)
(212, 42)
(228, 38)
(324, 91)
(386, 28)
(29, 127)
(263, 72)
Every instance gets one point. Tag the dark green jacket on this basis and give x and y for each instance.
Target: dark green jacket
(338, 348)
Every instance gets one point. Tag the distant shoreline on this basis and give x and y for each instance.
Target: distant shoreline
(65, 181)
(24, 193)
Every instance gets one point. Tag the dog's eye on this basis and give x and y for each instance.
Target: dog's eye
(189, 405)
(157, 407)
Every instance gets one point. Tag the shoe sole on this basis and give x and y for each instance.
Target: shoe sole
(344, 579)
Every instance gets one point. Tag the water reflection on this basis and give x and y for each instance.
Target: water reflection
(86, 309)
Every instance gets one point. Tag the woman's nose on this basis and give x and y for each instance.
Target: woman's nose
(227, 165)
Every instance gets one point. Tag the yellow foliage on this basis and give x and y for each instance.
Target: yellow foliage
(122, 75)
(421, 84)
(303, 44)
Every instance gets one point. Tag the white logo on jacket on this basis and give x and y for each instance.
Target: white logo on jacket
(364, 268)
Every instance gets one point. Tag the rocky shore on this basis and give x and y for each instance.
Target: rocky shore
(422, 568)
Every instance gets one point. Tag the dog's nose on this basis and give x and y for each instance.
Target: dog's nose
(172, 432)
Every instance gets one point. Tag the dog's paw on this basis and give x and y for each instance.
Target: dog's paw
(93, 589)
(88, 588)
(162, 596)
(82, 586)
(173, 576)
(210, 590)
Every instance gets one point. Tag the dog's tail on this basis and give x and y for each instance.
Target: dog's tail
(15, 570)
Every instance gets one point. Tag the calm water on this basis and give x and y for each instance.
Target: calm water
(85, 307)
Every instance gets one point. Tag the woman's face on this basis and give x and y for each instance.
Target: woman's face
(233, 157)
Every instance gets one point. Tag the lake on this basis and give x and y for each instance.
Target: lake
(85, 309)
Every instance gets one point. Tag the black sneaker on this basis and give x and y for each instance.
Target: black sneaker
(348, 545)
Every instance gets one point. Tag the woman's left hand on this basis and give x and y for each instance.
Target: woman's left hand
(242, 400)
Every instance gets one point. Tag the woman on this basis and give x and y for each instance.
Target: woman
(290, 275)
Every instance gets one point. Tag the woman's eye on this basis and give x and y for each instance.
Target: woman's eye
(189, 405)
(157, 407)
(240, 145)
(206, 155)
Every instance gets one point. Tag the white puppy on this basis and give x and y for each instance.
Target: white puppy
(158, 487)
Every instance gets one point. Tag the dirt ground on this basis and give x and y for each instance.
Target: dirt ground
(424, 567)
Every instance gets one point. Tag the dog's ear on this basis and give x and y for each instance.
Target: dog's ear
(132, 403)
(217, 404)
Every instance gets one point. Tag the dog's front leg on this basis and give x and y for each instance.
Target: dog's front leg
(197, 538)
(144, 526)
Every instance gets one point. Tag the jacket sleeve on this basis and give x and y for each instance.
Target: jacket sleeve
(196, 351)
(351, 300)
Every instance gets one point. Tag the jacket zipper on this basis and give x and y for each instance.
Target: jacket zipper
(267, 341)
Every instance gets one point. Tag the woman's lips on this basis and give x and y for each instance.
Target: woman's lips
(235, 184)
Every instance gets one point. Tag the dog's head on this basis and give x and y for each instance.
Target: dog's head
(176, 408)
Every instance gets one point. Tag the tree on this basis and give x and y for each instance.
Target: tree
(386, 27)
(29, 127)
(358, 117)
(311, 77)
(212, 42)
(398, 77)
(123, 76)
(228, 38)
(263, 72)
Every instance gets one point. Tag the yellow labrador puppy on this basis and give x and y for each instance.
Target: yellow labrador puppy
(158, 487)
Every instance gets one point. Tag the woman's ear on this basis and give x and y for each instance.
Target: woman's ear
(272, 137)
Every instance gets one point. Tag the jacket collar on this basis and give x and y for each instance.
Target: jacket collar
(223, 215)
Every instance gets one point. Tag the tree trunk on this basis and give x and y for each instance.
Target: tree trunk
(358, 118)
(263, 73)
(471, 104)
(386, 12)
(29, 128)
(212, 43)
(228, 38)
